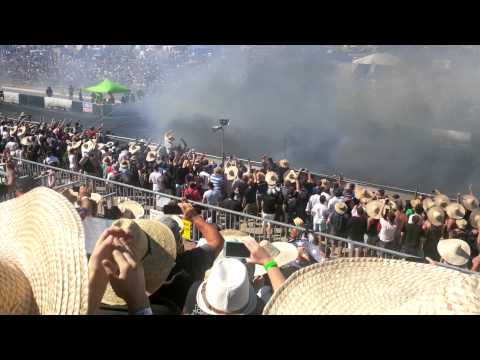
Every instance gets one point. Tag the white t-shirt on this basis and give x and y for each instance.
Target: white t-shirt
(387, 233)
(72, 159)
(156, 178)
(11, 146)
(123, 156)
(205, 179)
(332, 202)
(312, 201)
(319, 212)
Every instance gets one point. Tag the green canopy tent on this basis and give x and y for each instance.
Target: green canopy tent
(107, 86)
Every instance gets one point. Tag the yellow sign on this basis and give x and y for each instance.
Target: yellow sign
(187, 226)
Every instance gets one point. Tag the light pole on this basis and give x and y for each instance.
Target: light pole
(222, 124)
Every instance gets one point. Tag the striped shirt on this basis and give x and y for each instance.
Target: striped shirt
(217, 181)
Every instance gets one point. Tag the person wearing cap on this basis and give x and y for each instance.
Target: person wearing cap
(228, 290)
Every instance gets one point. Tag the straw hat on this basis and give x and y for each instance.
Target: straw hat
(107, 159)
(375, 286)
(415, 202)
(436, 215)
(271, 178)
(455, 211)
(133, 149)
(284, 163)
(43, 262)
(441, 200)
(74, 145)
(151, 156)
(71, 195)
(364, 201)
(428, 203)
(152, 147)
(475, 218)
(285, 254)
(340, 208)
(88, 146)
(361, 193)
(153, 242)
(290, 176)
(231, 172)
(461, 223)
(125, 164)
(136, 208)
(13, 130)
(298, 221)
(454, 251)
(259, 176)
(373, 209)
(228, 290)
(470, 202)
(27, 141)
(22, 130)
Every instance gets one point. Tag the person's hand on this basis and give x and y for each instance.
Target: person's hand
(188, 211)
(258, 255)
(476, 263)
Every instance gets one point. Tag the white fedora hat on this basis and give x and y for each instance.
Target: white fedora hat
(375, 286)
(228, 290)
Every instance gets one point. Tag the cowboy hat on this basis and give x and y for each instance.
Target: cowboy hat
(298, 221)
(74, 145)
(227, 291)
(271, 178)
(107, 159)
(415, 202)
(101, 146)
(373, 209)
(153, 147)
(231, 172)
(43, 262)
(376, 286)
(283, 163)
(22, 130)
(290, 176)
(441, 200)
(340, 208)
(88, 146)
(125, 164)
(470, 202)
(475, 218)
(259, 176)
(428, 203)
(13, 130)
(285, 253)
(110, 144)
(454, 251)
(436, 215)
(361, 192)
(136, 208)
(151, 156)
(154, 243)
(134, 149)
(27, 141)
(461, 223)
(455, 211)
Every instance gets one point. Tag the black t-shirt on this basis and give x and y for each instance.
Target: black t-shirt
(192, 308)
(302, 201)
(356, 228)
(189, 267)
(413, 232)
(250, 193)
(262, 188)
(230, 204)
(270, 203)
(180, 174)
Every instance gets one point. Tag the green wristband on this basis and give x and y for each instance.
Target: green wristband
(270, 264)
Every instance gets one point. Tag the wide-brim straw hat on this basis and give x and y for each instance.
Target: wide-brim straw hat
(153, 242)
(455, 211)
(290, 176)
(88, 146)
(415, 202)
(363, 193)
(470, 202)
(441, 200)
(107, 159)
(436, 215)
(284, 163)
(151, 156)
(287, 253)
(259, 176)
(43, 261)
(110, 144)
(373, 209)
(152, 147)
(27, 141)
(475, 219)
(461, 223)
(125, 164)
(13, 130)
(375, 286)
(454, 251)
(428, 203)
(22, 130)
(74, 145)
(137, 209)
(298, 221)
(340, 208)
(134, 149)
(231, 172)
(271, 178)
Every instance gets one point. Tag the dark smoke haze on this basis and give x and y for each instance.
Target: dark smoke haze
(325, 119)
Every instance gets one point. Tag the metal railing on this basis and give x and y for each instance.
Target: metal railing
(258, 228)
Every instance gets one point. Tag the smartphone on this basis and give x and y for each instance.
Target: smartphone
(172, 209)
(236, 250)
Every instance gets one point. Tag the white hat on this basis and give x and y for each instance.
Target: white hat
(286, 254)
(228, 290)
(454, 251)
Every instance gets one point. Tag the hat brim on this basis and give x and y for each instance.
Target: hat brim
(288, 253)
(249, 308)
(446, 248)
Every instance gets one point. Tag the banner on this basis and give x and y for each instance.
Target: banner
(187, 229)
(11, 97)
(87, 107)
(52, 103)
